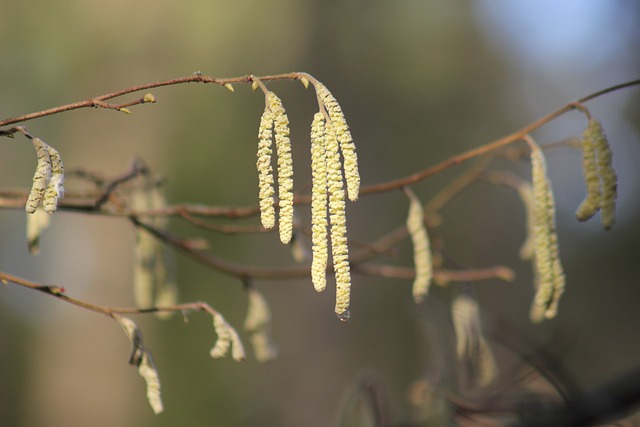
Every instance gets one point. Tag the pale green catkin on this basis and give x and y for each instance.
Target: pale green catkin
(343, 135)
(421, 248)
(318, 204)
(337, 218)
(54, 190)
(546, 258)
(41, 177)
(592, 201)
(607, 174)
(258, 324)
(265, 171)
(285, 168)
(470, 341)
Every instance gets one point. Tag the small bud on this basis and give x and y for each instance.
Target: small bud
(254, 86)
(124, 110)
(149, 97)
(305, 82)
(229, 87)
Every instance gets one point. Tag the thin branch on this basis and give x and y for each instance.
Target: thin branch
(58, 292)
(489, 147)
(98, 101)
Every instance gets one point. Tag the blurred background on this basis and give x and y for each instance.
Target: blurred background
(419, 81)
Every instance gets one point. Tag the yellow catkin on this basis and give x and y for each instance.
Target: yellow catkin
(318, 204)
(592, 201)
(54, 190)
(547, 260)
(285, 168)
(607, 174)
(421, 248)
(41, 176)
(337, 218)
(265, 171)
(348, 148)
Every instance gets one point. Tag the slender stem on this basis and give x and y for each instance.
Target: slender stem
(98, 100)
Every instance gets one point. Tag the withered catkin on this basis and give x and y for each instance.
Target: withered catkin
(41, 177)
(54, 190)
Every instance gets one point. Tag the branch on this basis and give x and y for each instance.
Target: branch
(98, 101)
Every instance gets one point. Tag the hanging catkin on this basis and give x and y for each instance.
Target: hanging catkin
(54, 190)
(607, 174)
(285, 168)
(343, 135)
(337, 218)
(41, 177)
(546, 259)
(265, 171)
(421, 247)
(591, 203)
(318, 204)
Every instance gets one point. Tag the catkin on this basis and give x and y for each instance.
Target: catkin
(592, 201)
(344, 138)
(285, 168)
(318, 204)
(607, 174)
(547, 260)
(470, 340)
(41, 177)
(265, 171)
(526, 195)
(421, 248)
(54, 190)
(258, 324)
(337, 218)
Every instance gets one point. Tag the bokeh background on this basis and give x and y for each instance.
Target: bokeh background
(419, 81)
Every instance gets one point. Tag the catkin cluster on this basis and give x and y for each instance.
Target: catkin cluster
(47, 180)
(330, 138)
(548, 269)
(600, 178)
(275, 121)
(334, 163)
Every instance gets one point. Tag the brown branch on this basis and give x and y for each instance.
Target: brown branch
(489, 147)
(98, 101)
(441, 277)
(59, 293)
